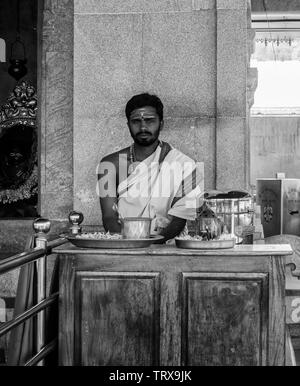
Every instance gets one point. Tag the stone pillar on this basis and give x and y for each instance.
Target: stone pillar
(252, 77)
(55, 84)
(232, 144)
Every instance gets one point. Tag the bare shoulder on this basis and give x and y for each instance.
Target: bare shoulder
(115, 157)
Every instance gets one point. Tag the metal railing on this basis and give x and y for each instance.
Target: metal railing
(37, 255)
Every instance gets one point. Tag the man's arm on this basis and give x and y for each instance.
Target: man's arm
(172, 229)
(109, 216)
(108, 195)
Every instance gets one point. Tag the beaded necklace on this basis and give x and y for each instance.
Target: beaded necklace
(133, 163)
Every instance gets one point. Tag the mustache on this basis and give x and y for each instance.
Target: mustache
(144, 132)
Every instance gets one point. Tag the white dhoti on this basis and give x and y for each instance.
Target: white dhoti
(160, 189)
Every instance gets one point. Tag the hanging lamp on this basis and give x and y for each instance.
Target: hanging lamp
(17, 68)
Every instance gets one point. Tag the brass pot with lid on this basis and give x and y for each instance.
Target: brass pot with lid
(208, 226)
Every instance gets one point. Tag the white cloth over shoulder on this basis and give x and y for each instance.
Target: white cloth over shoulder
(161, 190)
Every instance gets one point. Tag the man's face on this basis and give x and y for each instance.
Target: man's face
(144, 125)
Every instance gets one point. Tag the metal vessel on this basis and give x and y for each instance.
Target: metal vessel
(199, 244)
(135, 227)
(235, 210)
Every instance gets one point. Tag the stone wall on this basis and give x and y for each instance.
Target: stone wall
(56, 108)
(192, 53)
(276, 6)
(275, 147)
(231, 99)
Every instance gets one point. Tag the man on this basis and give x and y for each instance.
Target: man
(149, 178)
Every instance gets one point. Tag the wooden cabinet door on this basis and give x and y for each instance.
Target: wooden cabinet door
(225, 319)
(117, 318)
(189, 313)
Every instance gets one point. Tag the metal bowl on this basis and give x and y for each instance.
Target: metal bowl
(136, 227)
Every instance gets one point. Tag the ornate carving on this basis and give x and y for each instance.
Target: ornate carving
(21, 107)
(18, 143)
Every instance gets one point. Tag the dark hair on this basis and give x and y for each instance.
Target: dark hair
(143, 100)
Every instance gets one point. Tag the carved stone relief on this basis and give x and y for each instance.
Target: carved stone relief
(18, 148)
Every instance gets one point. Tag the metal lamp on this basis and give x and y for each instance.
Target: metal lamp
(17, 68)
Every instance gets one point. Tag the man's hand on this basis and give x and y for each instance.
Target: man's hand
(109, 216)
(108, 194)
(172, 230)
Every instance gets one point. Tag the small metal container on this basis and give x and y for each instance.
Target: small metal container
(208, 225)
(136, 227)
(235, 211)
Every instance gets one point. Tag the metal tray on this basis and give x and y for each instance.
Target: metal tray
(113, 243)
(198, 244)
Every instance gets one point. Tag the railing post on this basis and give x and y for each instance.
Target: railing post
(41, 227)
(75, 218)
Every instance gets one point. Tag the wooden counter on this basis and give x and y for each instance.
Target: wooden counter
(170, 307)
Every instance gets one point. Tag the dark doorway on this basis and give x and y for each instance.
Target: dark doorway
(17, 162)
(18, 127)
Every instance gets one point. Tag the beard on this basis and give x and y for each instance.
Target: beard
(145, 138)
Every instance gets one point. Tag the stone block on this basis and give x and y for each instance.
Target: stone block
(14, 234)
(231, 63)
(58, 6)
(199, 5)
(58, 20)
(204, 148)
(179, 61)
(9, 283)
(94, 138)
(198, 143)
(57, 136)
(231, 152)
(132, 6)
(273, 149)
(232, 4)
(276, 6)
(107, 70)
(56, 205)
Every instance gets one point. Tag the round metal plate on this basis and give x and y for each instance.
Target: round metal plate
(198, 244)
(113, 243)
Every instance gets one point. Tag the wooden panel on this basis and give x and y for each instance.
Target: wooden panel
(277, 333)
(170, 316)
(117, 319)
(224, 319)
(156, 249)
(172, 307)
(66, 310)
